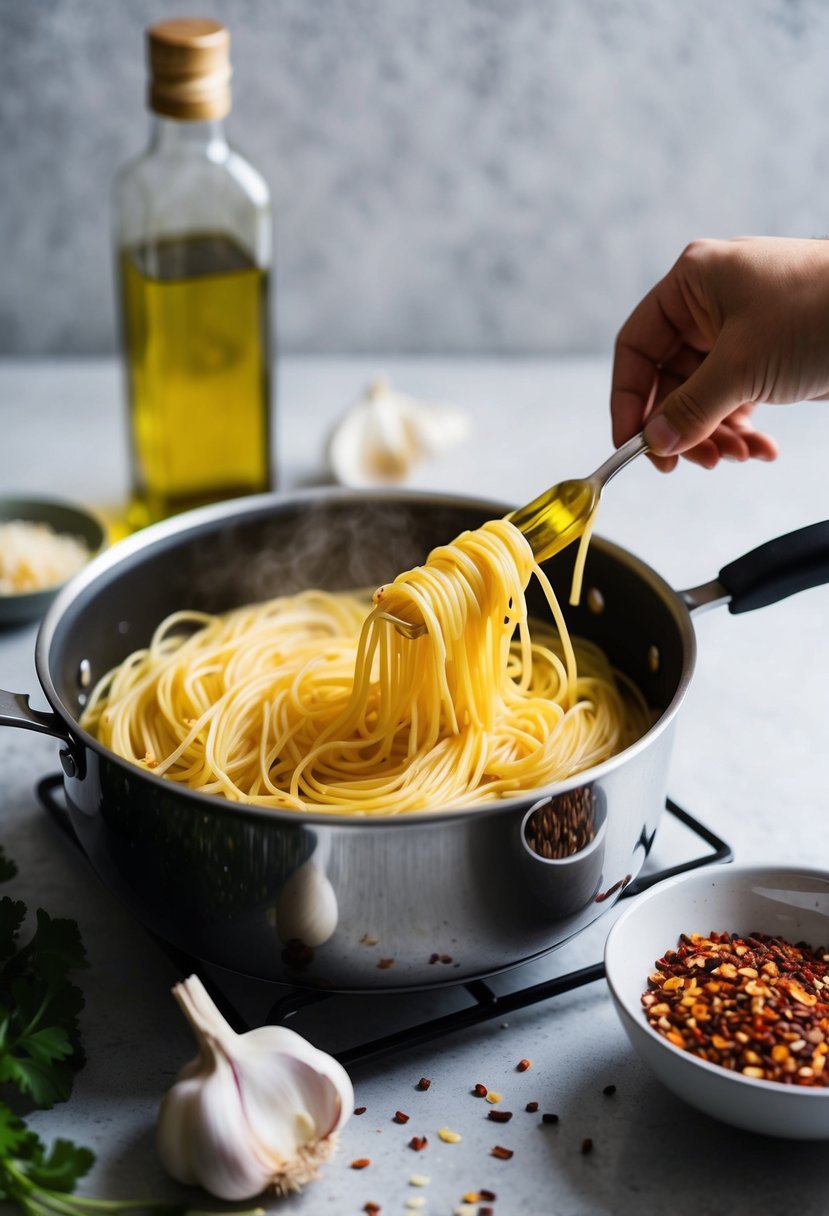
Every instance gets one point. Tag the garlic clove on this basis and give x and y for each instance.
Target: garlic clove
(252, 1111)
(291, 1088)
(385, 433)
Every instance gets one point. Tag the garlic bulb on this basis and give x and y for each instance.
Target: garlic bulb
(252, 1111)
(384, 433)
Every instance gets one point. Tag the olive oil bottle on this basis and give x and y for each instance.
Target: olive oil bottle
(193, 255)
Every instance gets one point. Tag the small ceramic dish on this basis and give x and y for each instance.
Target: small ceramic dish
(65, 518)
(787, 902)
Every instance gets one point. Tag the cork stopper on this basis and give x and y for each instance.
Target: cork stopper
(189, 61)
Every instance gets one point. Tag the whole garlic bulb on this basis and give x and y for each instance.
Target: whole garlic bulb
(385, 432)
(252, 1111)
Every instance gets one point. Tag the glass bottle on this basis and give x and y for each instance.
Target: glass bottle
(193, 249)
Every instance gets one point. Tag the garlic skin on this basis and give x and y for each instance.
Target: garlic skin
(385, 433)
(252, 1111)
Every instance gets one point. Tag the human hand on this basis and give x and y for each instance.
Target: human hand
(733, 323)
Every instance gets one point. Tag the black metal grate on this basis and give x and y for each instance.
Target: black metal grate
(485, 1002)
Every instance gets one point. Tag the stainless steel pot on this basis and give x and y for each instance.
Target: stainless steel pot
(421, 900)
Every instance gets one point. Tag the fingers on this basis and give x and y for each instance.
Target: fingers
(694, 411)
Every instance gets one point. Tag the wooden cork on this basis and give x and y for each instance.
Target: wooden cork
(189, 61)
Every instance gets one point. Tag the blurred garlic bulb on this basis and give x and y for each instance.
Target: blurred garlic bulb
(384, 433)
(252, 1111)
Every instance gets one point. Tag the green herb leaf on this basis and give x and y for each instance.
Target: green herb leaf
(12, 912)
(58, 1169)
(8, 868)
(40, 1046)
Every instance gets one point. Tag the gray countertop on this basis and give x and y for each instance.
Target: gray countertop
(748, 759)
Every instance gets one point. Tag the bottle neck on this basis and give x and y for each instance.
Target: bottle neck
(172, 136)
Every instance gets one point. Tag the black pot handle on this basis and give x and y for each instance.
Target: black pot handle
(15, 710)
(777, 569)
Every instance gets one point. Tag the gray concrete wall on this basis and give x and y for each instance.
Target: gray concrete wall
(449, 175)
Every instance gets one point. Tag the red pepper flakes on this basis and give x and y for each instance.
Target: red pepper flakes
(532, 1107)
(586, 1146)
(359, 1110)
(418, 1143)
(757, 1005)
(480, 1091)
(372, 1208)
(499, 1116)
(400, 1117)
(489, 1196)
(486, 1211)
(434, 958)
(423, 1083)
(446, 958)
(385, 964)
(548, 1117)
(503, 1154)
(523, 1065)
(360, 1163)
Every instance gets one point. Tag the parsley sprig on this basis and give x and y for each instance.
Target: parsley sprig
(40, 1051)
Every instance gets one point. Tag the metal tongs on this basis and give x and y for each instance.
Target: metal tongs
(557, 517)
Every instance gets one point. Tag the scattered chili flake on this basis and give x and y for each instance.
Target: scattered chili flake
(400, 1117)
(548, 1117)
(587, 1145)
(418, 1143)
(757, 1005)
(446, 958)
(385, 963)
(360, 1163)
(359, 1110)
(522, 1065)
(532, 1107)
(499, 1116)
(423, 1083)
(480, 1091)
(489, 1196)
(371, 1208)
(487, 1211)
(503, 1154)
(609, 1090)
(434, 958)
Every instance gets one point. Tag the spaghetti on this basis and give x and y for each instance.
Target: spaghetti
(315, 702)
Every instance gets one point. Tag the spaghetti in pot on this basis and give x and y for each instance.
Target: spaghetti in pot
(314, 702)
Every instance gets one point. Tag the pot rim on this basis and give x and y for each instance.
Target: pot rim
(238, 509)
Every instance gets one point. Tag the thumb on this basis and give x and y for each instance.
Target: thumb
(694, 411)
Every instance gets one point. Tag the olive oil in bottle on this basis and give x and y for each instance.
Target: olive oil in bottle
(193, 251)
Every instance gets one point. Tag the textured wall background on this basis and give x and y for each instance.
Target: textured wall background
(449, 175)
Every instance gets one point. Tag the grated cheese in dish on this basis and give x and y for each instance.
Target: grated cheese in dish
(33, 556)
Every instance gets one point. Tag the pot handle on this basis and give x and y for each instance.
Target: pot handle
(15, 710)
(771, 572)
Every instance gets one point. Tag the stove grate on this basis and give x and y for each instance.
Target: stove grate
(485, 1002)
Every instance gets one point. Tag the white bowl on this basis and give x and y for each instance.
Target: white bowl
(788, 902)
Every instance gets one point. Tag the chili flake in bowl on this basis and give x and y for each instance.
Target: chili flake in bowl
(721, 982)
